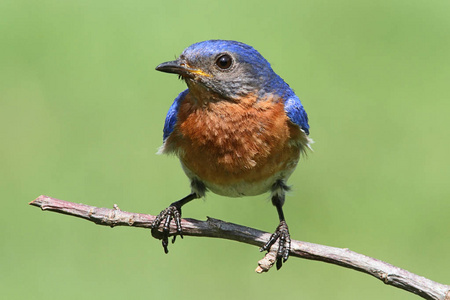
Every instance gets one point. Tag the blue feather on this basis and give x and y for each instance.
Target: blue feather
(171, 118)
(296, 113)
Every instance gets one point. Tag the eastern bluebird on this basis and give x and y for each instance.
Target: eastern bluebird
(238, 130)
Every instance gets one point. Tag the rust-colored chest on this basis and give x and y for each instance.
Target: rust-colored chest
(226, 142)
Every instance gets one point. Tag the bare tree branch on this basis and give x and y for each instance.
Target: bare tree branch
(387, 273)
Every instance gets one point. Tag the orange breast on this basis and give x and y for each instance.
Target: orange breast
(225, 142)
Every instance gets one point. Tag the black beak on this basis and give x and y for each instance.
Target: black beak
(175, 67)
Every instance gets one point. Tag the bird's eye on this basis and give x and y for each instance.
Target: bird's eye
(224, 61)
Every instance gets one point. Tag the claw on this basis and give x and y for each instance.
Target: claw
(281, 235)
(165, 217)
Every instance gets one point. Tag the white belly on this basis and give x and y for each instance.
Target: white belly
(243, 188)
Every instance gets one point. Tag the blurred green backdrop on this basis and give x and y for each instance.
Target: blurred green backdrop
(82, 111)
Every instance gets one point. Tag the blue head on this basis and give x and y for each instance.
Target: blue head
(229, 69)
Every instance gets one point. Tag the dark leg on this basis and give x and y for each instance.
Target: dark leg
(281, 234)
(166, 216)
(174, 212)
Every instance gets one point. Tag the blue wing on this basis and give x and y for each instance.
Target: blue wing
(171, 118)
(295, 111)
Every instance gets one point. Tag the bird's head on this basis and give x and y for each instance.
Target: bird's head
(228, 69)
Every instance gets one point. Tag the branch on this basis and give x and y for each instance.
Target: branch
(387, 273)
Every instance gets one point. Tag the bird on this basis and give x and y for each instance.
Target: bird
(238, 130)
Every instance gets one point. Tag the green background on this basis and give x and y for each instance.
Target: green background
(82, 111)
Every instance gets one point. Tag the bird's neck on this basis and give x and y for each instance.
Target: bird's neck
(201, 97)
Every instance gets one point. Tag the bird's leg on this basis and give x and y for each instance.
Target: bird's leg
(174, 212)
(165, 216)
(281, 234)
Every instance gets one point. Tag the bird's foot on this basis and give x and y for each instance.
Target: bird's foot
(281, 235)
(164, 218)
